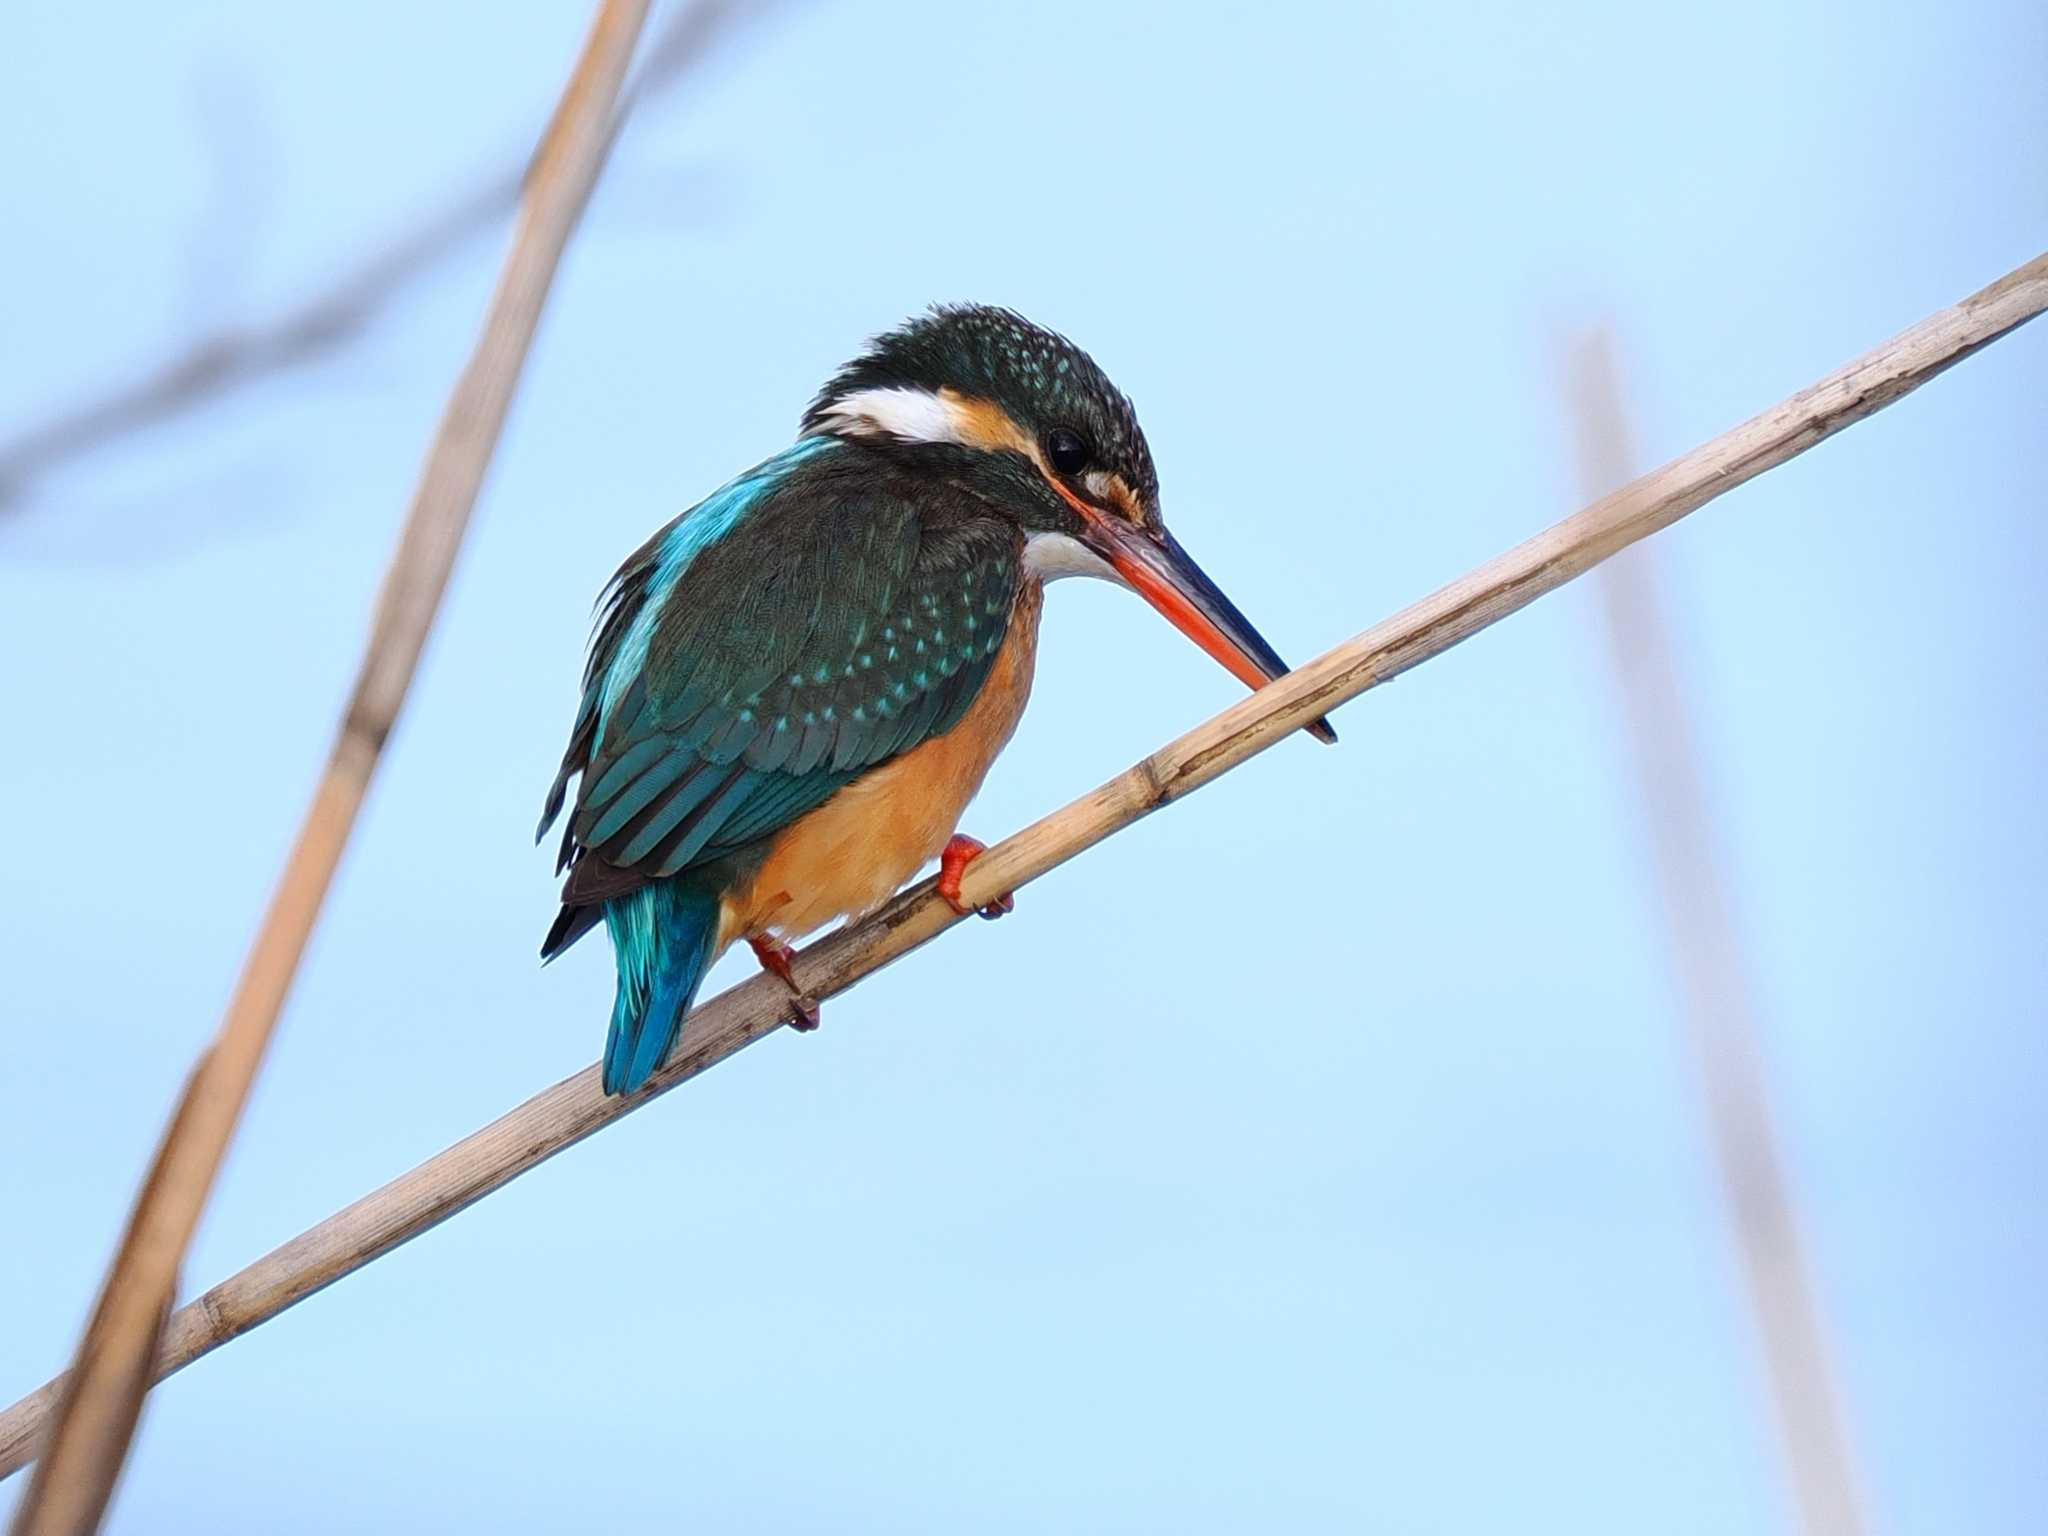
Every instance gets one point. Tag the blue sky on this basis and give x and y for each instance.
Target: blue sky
(1322, 1154)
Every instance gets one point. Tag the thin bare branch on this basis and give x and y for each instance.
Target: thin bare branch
(243, 354)
(96, 1417)
(563, 1115)
(1714, 983)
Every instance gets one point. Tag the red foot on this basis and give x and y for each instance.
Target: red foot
(960, 852)
(776, 957)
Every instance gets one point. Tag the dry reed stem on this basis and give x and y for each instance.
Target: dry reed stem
(563, 1115)
(1714, 984)
(245, 353)
(95, 1420)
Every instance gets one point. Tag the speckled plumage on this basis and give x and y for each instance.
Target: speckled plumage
(843, 609)
(998, 355)
(795, 688)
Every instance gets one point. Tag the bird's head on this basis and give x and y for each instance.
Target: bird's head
(1030, 416)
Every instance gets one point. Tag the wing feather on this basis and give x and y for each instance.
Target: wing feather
(841, 621)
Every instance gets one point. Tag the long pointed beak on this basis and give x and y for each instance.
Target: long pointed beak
(1164, 574)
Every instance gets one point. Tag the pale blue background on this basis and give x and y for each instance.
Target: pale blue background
(1320, 1155)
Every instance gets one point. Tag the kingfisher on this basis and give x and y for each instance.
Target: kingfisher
(794, 689)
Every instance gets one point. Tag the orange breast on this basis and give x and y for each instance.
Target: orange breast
(858, 848)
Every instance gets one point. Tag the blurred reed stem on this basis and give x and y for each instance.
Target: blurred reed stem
(246, 352)
(101, 1400)
(1715, 994)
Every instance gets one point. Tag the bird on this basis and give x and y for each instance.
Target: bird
(793, 690)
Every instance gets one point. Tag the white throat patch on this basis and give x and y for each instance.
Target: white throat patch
(1049, 556)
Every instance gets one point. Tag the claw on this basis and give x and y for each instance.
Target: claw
(960, 852)
(776, 958)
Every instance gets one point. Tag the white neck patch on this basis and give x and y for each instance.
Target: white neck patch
(915, 415)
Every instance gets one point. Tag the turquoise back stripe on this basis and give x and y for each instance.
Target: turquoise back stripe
(697, 529)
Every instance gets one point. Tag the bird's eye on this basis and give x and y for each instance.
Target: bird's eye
(1067, 450)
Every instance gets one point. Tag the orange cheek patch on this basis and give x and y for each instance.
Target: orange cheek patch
(984, 424)
(1123, 498)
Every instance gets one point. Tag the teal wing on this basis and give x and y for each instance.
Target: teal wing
(732, 691)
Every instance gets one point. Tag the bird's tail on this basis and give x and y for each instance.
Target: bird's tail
(662, 938)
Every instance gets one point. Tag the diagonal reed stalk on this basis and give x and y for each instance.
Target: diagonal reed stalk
(101, 1402)
(574, 1108)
